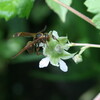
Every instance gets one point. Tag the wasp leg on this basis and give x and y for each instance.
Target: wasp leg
(37, 49)
(30, 49)
(25, 48)
(43, 40)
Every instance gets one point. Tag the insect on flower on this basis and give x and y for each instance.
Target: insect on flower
(54, 48)
(38, 38)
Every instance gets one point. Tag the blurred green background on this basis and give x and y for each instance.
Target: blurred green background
(21, 78)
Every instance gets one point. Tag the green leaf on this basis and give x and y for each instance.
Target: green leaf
(60, 10)
(25, 7)
(96, 20)
(11, 8)
(94, 7)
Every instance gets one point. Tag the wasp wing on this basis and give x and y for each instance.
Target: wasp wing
(24, 34)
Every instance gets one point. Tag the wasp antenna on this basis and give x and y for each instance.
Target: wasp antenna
(43, 29)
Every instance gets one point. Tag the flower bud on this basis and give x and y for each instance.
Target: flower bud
(77, 58)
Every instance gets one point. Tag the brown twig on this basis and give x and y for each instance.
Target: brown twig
(76, 12)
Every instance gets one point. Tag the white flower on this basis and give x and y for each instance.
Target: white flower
(45, 61)
(55, 52)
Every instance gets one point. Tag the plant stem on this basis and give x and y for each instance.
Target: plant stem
(85, 44)
(75, 12)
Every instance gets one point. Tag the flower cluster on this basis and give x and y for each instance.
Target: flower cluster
(55, 51)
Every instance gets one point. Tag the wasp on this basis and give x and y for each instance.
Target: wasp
(38, 38)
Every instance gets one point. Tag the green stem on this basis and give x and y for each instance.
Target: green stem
(85, 44)
(75, 12)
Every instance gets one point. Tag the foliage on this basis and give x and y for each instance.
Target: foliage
(61, 11)
(11, 8)
(94, 7)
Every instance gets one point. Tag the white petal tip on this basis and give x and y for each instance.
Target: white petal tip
(44, 62)
(55, 34)
(63, 66)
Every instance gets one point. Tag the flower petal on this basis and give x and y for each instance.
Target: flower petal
(63, 66)
(63, 40)
(67, 55)
(44, 62)
(55, 34)
(54, 61)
